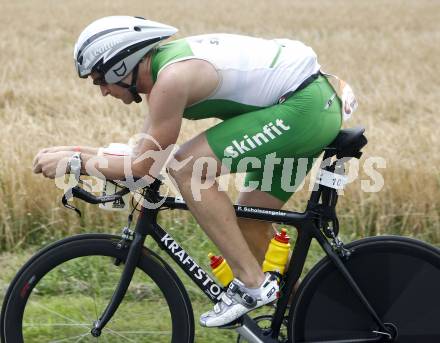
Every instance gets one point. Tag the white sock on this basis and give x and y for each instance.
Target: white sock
(254, 292)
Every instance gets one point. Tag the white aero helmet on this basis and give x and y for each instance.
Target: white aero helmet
(114, 46)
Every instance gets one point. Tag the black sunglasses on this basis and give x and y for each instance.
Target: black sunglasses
(100, 81)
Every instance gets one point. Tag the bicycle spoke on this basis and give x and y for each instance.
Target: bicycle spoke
(145, 332)
(84, 312)
(81, 338)
(96, 307)
(53, 325)
(70, 338)
(118, 334)
(83, 309)
(58, 314)
(97, 282)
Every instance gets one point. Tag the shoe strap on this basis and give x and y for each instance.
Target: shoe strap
(246, 299)
(227, 300)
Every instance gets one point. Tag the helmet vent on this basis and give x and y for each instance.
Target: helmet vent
(137, 28)
(96, 36)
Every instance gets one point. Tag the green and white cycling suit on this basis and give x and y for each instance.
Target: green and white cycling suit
(254, 75)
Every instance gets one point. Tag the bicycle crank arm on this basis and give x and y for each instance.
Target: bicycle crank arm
(252, 333)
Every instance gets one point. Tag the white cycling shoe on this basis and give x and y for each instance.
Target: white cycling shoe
(235, 302)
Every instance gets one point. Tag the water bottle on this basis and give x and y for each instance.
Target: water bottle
(221, 269)
(277, 253)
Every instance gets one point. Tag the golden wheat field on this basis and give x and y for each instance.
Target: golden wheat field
(387, 50)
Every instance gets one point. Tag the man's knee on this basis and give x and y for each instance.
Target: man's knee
(181, 167)
(188, 167)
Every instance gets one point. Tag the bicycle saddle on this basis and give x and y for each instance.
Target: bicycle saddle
(348, 143)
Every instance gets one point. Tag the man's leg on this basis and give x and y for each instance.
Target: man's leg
(256, 232)
(214, 211)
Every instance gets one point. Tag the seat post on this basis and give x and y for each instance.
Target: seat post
(325, 163)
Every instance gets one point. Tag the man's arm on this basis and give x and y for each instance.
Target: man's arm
(167, 102)
(85, 149)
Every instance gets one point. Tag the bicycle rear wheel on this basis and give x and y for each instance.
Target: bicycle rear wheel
(60, 293)
(400, 277)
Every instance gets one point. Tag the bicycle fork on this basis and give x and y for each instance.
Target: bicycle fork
(126, 277)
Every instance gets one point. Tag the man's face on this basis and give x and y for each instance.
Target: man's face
(114, 90)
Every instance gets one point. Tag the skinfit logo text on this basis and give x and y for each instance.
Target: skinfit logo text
(269, 132)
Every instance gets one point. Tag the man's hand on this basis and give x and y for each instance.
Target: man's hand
(51, 164)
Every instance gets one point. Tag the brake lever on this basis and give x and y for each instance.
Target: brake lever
(65, 199)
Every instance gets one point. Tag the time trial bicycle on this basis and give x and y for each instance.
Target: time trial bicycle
(116, 289)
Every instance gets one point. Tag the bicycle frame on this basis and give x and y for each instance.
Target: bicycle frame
(305, 223)
(212, 289)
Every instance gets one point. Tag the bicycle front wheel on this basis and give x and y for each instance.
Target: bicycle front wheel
(59, 294)
(400, 277)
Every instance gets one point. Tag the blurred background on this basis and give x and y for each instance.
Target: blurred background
(387, 50)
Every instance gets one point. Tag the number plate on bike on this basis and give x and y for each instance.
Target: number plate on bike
(332, 180)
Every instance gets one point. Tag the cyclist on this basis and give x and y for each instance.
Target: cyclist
(272, 100)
